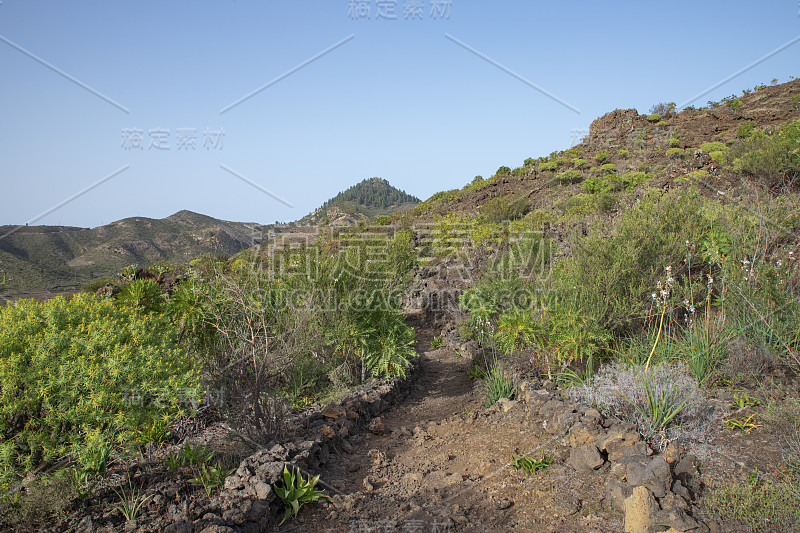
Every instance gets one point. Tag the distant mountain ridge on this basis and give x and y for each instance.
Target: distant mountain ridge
(63, 257)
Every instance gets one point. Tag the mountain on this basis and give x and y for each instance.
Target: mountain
(367, 200)
(61, 258)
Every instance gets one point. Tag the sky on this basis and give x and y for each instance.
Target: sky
(259, 111)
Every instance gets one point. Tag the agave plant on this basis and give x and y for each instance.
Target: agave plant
(297, 492)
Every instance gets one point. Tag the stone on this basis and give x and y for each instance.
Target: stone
(676, 519)
(585, 458)
(674, 453)
(233, 483)
(411, 480)
(263, 491)
(579, 436)
(334, 411)
(85, 525)
(616, 493)
(179, 527)
(640, 507)
(505, 405)
(376, 426)
(327, 432)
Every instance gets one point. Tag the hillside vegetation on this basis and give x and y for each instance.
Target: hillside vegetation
(650, 271)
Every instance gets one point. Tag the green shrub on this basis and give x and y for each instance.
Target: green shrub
(608, 168)
(548, 166)
(570, 176)
(673, 142)
(629, 180)
(775, 159)
(675, 152)
(734, 104)
(94, 285)
(529, 162)
(718, 156)
(502, 208)
(602, 157)
(654, 117)
(499, 383)
(519, 172)
(579, 163)
(746, 129)
(623, 153)
(715, 146)
(503, 171)
(142, 295)
(611, 273)
(79, 374)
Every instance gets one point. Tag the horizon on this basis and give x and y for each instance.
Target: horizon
(260, 113)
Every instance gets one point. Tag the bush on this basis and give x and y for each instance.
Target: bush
(548, 166)
(579, 163)
(623, 153)
(503, 171)
(612, 272)
(675, 152)
(718, 156)
(499, 383)
(602, 157)
(746, 129)
(569, 176)
(79, 373)
(663, 109)
(775, 159)
(608, 168)
(502, 208)
(94, 285)
(715, 146)
(654, 117)
(664, 402)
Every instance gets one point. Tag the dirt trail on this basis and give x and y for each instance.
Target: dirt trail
(441, 465)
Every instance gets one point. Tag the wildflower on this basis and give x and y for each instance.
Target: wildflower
(653, 295)
(686, 303)
(779, 263)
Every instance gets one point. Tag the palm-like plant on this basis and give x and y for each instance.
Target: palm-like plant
(517, 329)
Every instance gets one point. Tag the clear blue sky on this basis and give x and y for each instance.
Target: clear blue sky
(399, 99)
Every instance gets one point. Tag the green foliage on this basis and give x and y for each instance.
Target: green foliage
(503, 171)
(499, 383)
(602, 157)
(516, 329)
(548, 166)
(503, 208)
(673, 142)
(663, 109)
(297, 492)
(775, 159)
(740, 401)
(196, 455)
(374, 192)
(746, 129)
(142, 295)
(759, 505)
(623, 153)
(157, 434)
(94, 285)
(519, 172)
(579, 163)
(437, 342)
(132, 501)
(570, 176)
(675, 152)
(714, 146)
(654, 117)
(529, 464)
(211, 477)
(78, 373)
(734, 104)
(718, 156)
(611, 273)
(608, 168)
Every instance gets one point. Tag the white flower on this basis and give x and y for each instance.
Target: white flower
(686, 303)
(653, 295)
(668, 268)
(779, 263)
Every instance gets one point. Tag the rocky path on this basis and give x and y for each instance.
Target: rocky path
(439, 462)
